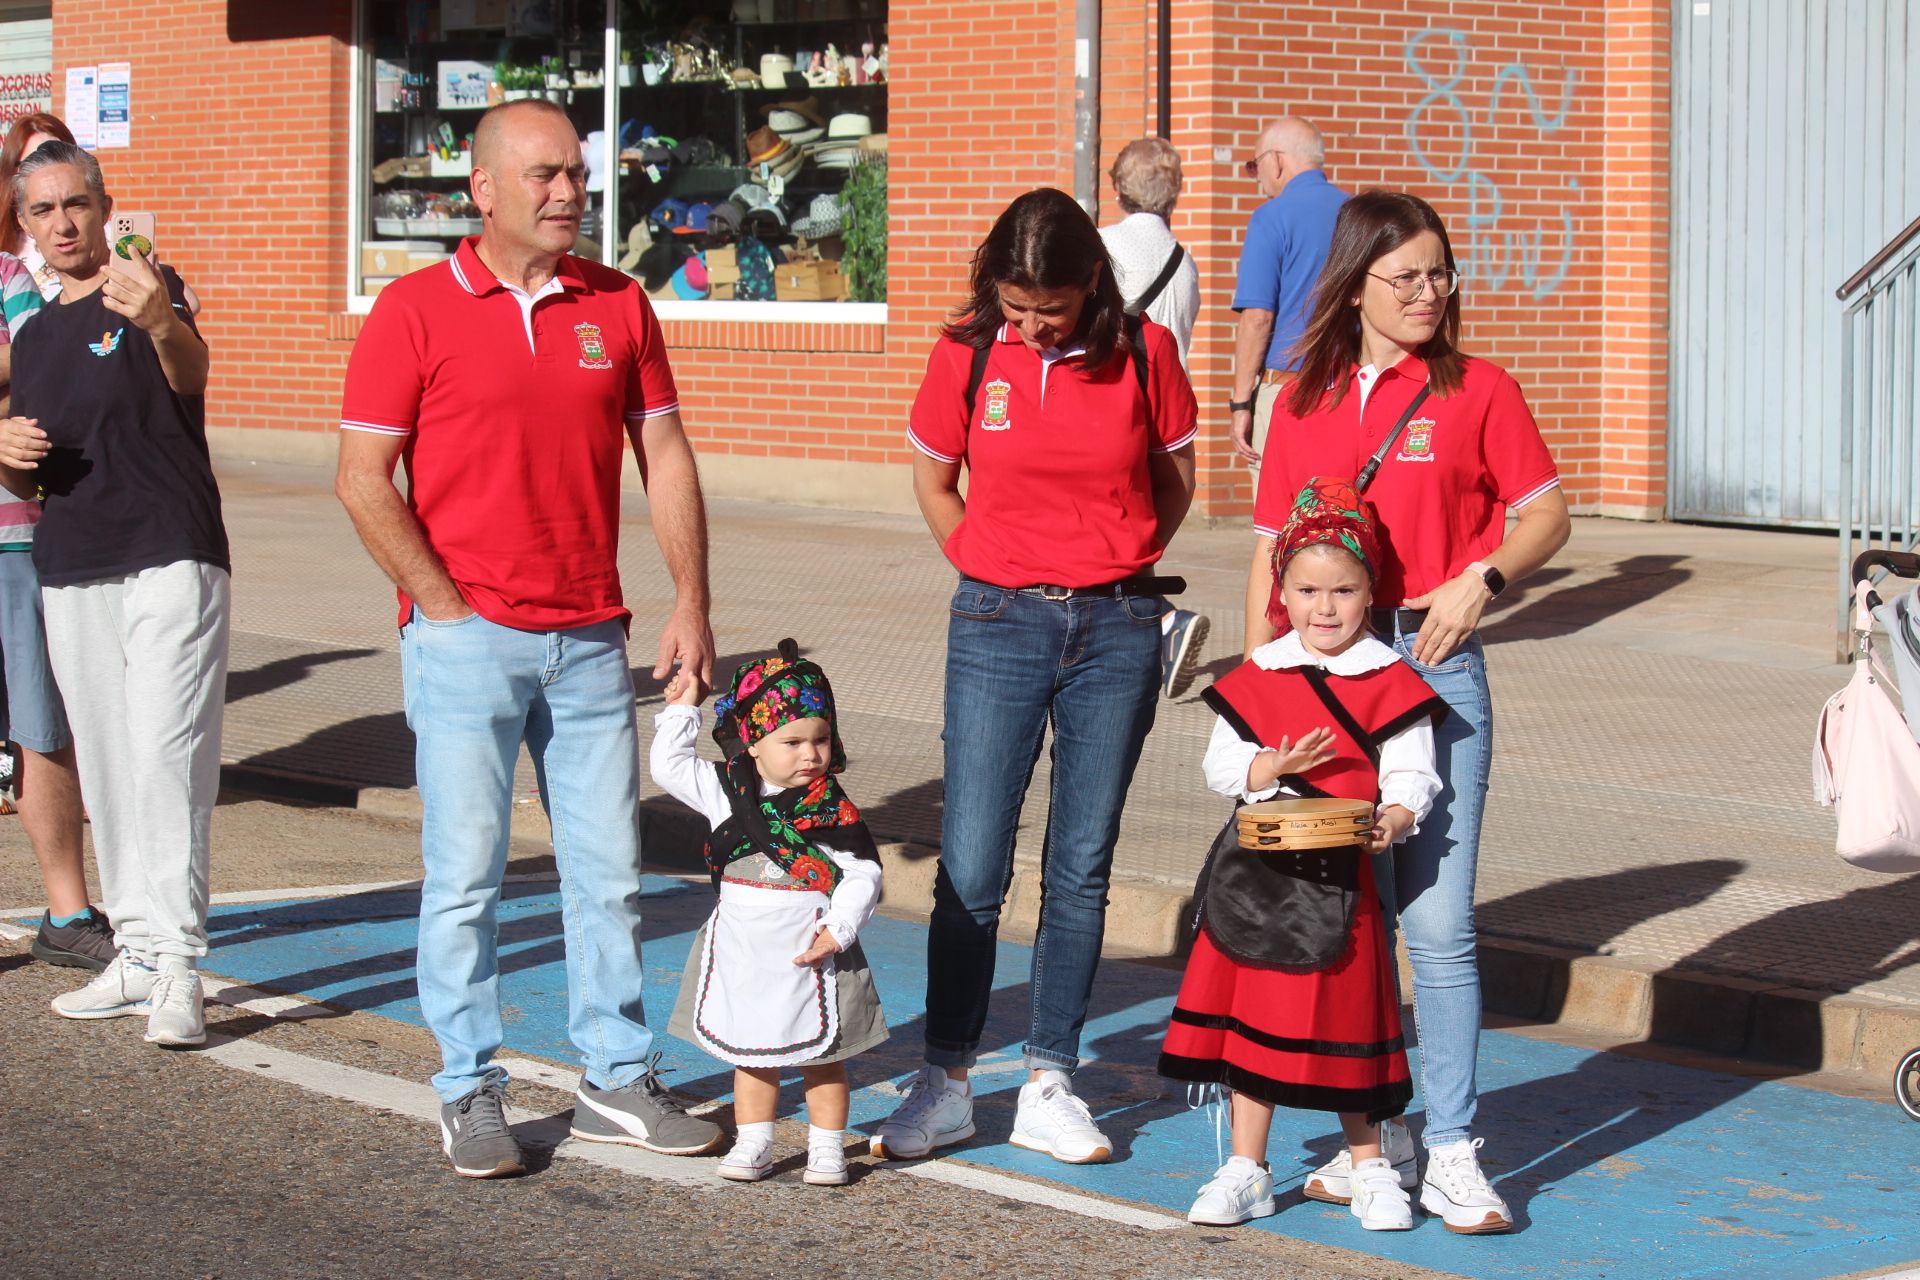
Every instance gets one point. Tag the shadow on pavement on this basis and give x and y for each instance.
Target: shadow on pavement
(285, 671)
(1633, 581)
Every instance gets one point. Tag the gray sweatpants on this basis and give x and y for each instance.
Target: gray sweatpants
(142, 663)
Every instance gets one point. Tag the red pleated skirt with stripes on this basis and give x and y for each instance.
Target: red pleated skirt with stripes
(1329, 1040)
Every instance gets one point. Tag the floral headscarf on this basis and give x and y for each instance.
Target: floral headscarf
(766, 695)
(1328, 510)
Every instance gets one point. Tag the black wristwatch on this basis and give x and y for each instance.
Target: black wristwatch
(1496, 581)
(1240, 406)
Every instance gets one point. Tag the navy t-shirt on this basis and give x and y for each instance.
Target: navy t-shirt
(128, 482)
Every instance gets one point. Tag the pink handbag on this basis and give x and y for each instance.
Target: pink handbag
(1867, 763)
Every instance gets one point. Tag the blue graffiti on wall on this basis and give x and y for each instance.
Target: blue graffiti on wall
(1494, 248)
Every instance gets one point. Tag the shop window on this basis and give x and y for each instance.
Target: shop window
(737, 149)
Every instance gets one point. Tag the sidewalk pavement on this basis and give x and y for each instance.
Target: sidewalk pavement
(1653, 864)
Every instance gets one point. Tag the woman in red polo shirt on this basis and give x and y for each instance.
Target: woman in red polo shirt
(1076, 430)
(1381, 353)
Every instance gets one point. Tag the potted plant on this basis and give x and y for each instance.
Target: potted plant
(626, 68)
(865, 237)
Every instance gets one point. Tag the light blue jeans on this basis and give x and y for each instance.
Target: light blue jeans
(474, 691)
(1428, 883)
(1016, 664)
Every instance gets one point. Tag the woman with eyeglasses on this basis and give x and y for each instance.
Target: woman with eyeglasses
(1383, 391)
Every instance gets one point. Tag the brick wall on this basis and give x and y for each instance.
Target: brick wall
(1539, 133)
(1538, 130)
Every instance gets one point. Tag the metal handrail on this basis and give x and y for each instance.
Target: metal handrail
(1879, 463)
(1892, 247)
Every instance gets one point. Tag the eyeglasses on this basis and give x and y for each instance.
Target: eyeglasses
(1252, 167)
(1408, 286)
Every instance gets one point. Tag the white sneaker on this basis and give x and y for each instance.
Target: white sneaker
(120, 990)
(1241, 1189)
(932, 1116)
(178, 1014)
(747, 1162)
(1379, 1201)
(1460, 1194)
(826, 1163)
(1330, 1182)
(1053, 1120)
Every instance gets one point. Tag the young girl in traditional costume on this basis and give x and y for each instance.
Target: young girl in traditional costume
(1289, 996)
(776, 978)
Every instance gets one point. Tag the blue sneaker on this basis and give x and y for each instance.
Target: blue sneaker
(1180, 647)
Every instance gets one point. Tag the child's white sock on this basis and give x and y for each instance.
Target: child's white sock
(754, 1139)
(818, 1137)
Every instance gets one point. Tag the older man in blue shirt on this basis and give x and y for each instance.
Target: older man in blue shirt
(1286, 246)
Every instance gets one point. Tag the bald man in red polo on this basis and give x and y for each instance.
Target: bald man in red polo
(510, 381)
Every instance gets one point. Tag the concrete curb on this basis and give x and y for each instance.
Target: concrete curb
(1626, 998)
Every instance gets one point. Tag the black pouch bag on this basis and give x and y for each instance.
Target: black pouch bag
(1272, 909)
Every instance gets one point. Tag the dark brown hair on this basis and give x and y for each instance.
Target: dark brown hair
(1370, 226)
(1044, 240)
(23, 128)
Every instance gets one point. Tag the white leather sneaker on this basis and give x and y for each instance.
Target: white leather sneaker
(1053, 1120)
(1458, 1192)
(1379, 1201)
(932, 1116)
(1241, 1190)
(747, 1162)
(1330, 1182)
(178, 1017)
(826, 1162)
(120, 990)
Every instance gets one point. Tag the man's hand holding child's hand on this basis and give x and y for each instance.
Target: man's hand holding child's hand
(824, 945)
(684, 690)
(1389, 825)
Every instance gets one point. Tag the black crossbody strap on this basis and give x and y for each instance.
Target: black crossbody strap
(1365, 477)
(975, 377)
(1136, 352)
(1161, 281)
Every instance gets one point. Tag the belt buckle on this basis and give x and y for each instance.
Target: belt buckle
(1050, 592)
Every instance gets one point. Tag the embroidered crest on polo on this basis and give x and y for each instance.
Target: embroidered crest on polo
(995, 417)
(108, 344)
(1417, 446)
(593, 351)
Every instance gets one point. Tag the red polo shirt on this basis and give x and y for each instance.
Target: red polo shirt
(516, 420)
(1058, 490)
(1444, 490)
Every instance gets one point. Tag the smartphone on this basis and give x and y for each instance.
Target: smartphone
(128, 231)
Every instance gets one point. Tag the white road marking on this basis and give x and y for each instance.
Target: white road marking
(419, 1102)
(14, 933)
(300, 893)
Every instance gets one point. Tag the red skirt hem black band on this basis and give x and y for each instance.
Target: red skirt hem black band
(1382, 1102)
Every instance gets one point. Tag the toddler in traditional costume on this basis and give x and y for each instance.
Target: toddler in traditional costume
(776, 978)
(1289, 996)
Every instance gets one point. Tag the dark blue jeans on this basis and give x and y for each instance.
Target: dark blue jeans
(1016, 662)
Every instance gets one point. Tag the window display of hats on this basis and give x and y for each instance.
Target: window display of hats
(771, 156)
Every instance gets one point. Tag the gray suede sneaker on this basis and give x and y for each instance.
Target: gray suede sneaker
(642, 1114)
(474, 1133)
(87, 943)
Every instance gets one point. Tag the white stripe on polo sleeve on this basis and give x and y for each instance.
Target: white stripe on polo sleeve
(935, 454)
(1534, 493)
(375, 428)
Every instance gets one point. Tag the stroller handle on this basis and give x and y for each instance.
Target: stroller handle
(1905, 564)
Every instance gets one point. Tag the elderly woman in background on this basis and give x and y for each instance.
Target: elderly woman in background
(1158, 278)
(1075, 424)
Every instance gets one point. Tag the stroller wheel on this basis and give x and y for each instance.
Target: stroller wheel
(1906, 1084)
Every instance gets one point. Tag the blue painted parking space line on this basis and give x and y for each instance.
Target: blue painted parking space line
(1616, 1167)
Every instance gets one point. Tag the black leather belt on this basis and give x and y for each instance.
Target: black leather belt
(1140, 584)
(1408, 620)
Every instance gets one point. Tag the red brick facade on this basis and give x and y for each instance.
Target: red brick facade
(1538, 130)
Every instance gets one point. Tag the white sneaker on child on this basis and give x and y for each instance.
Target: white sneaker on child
(935, 1114)
(747, 1162)
(1460, 1194)
(1330, 1182)
(1379, 1201)
(826, 1158)
(1241, 1190)
(1053, 1120)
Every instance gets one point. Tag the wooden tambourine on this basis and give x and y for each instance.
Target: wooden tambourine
(1304, 823)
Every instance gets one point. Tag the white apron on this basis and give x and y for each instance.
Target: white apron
(754, 1007)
